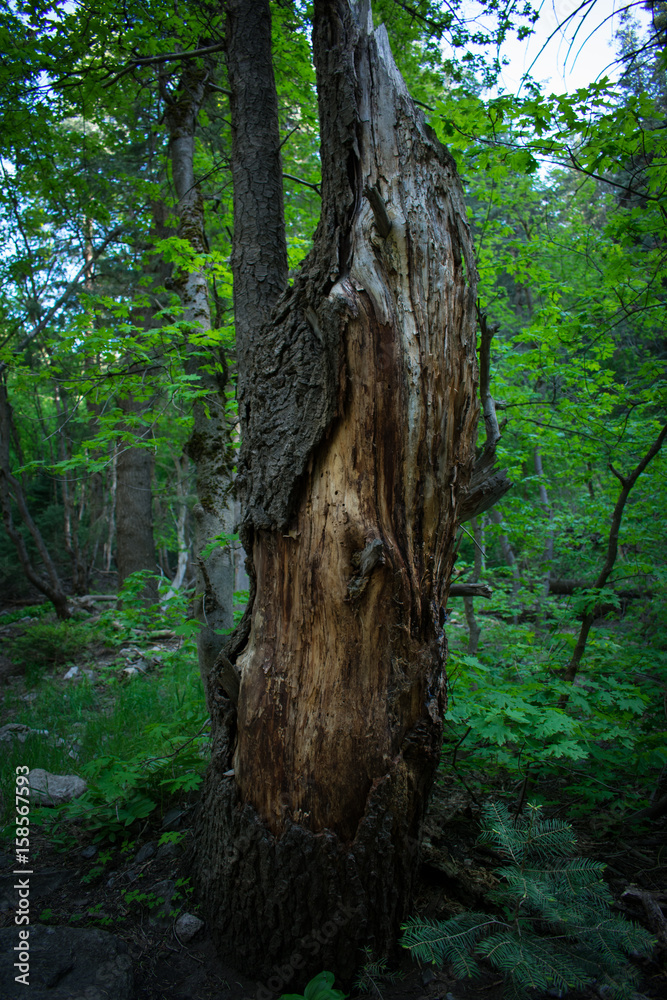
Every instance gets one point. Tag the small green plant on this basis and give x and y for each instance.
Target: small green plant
(374, 974)
(48, 644)
(97, 914)
(556, 929)
(320, 987)
(171, 837)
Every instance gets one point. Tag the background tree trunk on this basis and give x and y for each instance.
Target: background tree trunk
(135, 544)
(549, 544)
(209, 445)
(358, 416)
(11, 491)
(474, 628)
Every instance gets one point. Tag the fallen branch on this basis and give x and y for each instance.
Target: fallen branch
(470, 590)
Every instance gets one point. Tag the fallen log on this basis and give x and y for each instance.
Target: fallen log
(470, 590)
(566, 588)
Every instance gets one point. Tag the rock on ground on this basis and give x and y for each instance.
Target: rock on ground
(52, 789)
(67, 963)
(42, 885)
(187, 926)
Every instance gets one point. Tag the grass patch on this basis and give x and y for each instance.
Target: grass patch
(122, 734)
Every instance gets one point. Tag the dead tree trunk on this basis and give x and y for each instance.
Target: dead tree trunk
(358, 414)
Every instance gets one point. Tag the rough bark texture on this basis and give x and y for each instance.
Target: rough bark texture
(259, 258)
(209, 445)
(358, 419)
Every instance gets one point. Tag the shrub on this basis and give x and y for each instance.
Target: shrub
(556, 929)
(49, 644)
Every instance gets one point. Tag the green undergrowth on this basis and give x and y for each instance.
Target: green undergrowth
(514, 723)
(320, 987)
(551, 926)
(139, 741)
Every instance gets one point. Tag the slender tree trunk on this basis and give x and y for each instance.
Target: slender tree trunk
(209, 445)
(110, 505)
(181, 521)
(358, 416)
(488, 485)
(627, 484)
(510, 559)
(11, 490)
(98, 507)
(474, 628)
(71, 508)
(135, 544)
(544, 500)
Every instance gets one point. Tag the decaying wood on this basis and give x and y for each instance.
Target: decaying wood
(470, 590)
(566, 588)
(359, 418)
(361, 432)
(650, 902)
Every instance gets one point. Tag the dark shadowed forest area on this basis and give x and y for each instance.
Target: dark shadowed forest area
(333, 400)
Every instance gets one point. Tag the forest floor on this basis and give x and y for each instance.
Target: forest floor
(83, 883)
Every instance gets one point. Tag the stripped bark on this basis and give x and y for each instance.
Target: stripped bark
(358, 413)
(209, 445)
(470, 590)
